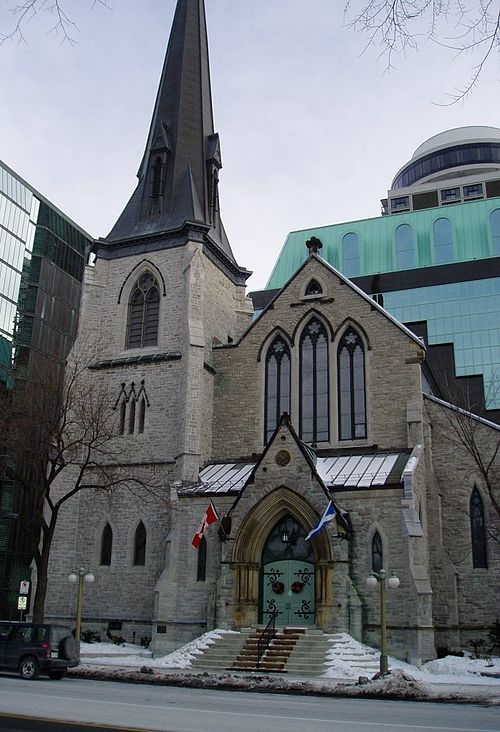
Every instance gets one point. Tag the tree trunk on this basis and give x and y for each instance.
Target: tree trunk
(42, 569)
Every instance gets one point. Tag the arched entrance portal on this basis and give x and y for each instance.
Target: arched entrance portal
(288, 575)
(247, 558)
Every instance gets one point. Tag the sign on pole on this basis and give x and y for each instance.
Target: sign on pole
(24, 588)
(22, 602)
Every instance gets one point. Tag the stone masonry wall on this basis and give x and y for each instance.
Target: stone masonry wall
(392, 368)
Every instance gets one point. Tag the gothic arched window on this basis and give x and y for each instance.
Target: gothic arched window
(277, 395)
(405, 247)
(351, 381)
(142, 416)
(477, 530)
(140, 545)
(443, 241)
(377, 553)
(350, 255)
(143, 313)
(131, 416)
(106, 546)
(201, 566)
(123, 410)
(314, 392)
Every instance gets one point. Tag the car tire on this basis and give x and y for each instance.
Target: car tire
(29, 668)
(55, 675)
(67, 648)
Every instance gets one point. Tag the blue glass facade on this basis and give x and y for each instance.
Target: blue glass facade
(466, 314)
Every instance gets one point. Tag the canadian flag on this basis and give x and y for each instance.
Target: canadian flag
(210, 517)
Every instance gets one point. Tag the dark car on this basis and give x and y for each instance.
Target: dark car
(34, 648)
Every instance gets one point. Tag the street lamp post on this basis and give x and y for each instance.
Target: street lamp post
(379, 578)
(81, 575)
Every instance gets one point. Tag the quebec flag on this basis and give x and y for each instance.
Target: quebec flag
(326, 519)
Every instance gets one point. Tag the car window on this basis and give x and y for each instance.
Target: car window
(40, 634)
(24, 634)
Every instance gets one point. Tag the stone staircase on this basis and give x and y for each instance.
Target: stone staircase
(364, 662)
(275, 657)
(294, 651)
(220, 655)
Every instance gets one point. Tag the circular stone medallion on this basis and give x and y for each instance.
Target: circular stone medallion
(283, 457)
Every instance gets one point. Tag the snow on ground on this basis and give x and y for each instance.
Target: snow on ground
(449, 670)
(135, 656)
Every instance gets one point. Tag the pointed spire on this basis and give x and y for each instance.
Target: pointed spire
(179, 172)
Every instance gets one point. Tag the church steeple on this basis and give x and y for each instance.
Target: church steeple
(179, 173)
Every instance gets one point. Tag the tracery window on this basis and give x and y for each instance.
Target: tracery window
(405, 247)
(201, 566)
(140, 545)
(143, 313)
(314, 391)
(351, 386)
(443, 241)
(277, 394)
(106, 546)
(477, 530)
(377, 553)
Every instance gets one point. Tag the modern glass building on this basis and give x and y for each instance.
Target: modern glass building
(42, 259)
(432, 259)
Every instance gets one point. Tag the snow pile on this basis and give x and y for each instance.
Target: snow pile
(116, 649)
(133, 656)
(394, 685)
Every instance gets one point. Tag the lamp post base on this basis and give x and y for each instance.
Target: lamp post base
(384, 664)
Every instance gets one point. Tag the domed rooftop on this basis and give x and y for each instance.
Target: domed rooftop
(458, 136)
(463, 151)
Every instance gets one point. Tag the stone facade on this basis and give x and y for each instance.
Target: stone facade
(208, 406)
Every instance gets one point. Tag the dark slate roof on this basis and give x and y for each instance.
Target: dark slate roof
(182, 136)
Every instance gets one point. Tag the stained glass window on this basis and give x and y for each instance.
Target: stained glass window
(143, 313)
(314, 391)
(477, 530)
(277, 397)
(106, 546)
(351, 387)
(140, 545)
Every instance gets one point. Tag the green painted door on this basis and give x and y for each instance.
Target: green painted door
(288, 590)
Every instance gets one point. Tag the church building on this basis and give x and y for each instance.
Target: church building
(266, 419)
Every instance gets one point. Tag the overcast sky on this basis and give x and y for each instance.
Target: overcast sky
(312, 130)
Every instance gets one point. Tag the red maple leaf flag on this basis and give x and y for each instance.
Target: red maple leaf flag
(210, 517)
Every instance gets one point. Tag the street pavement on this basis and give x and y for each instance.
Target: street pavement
(127, 706)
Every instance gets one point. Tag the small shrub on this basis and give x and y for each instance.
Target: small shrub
(118, 640)
(90, 636)
(494, 638)
(478, 646)
(145, 641)
(443, 651)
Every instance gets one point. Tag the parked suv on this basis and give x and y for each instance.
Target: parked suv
(34, 648)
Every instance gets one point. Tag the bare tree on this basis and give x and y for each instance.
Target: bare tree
(475, 437)
(58, 437)
(59, 18)
(464, 27)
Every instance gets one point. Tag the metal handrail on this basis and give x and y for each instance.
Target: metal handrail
(266, 637)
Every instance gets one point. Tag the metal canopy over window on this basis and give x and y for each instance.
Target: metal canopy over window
(374, 470)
